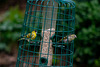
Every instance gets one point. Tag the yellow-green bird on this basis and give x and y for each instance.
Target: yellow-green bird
(30, 36)
(69, 37)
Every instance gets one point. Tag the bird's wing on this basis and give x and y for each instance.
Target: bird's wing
(65, 38)
(28, 35)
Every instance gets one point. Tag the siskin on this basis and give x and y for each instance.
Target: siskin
(31, 35)
(69, 37)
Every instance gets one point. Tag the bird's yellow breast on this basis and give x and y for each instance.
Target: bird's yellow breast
(33, 36)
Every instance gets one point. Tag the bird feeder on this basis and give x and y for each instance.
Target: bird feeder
(52, 20)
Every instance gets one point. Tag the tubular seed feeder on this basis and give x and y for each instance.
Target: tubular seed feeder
(52, 20)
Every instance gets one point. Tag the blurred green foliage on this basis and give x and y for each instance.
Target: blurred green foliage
(87, 44)
(10, 28)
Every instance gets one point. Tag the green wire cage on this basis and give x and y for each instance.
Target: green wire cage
(52, 20)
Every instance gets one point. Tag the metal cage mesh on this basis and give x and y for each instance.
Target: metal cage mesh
(40, 16)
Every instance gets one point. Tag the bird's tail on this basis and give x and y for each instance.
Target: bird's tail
(21, 39)
(60, 40)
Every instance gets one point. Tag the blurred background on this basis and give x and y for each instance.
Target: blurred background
(87, 45)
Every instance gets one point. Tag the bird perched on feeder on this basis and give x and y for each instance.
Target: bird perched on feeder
(69, 37)
(29, 36)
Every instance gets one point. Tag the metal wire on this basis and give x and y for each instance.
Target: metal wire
(36, 18)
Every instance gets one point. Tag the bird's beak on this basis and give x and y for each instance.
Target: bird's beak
(36, 32)
(75, 36)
